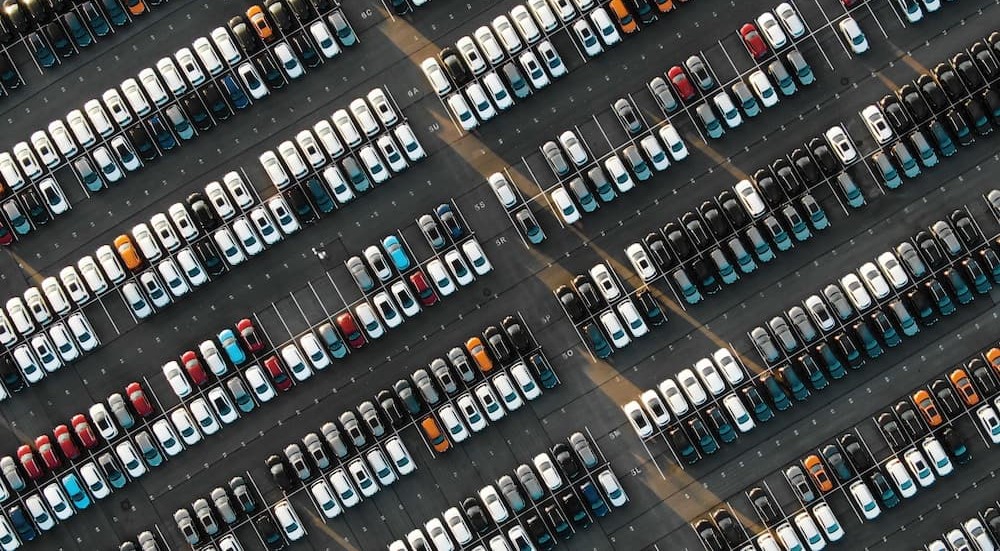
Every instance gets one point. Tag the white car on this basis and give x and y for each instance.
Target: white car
(477, 258)
(440, 278)
(937, 456)
(276, 172)
(654, 152)
(289, 521)
(672, 394)
(606, 29)
(435, 75)
(26, 160)
(80, 128)
(612, 488)
(373, 162)
(295, 362)
(543, 14)
(828, 521)
(364, 117)
(733, 404)
(226, 242)
(763, 88)
(620, 176)
(171, 275)
(44, 148)
(876, 124)
(171, 76)
(477, 98)
(547, 470)
(315, 351)
(283, 215)
(691, 387)
(27, 364)
(293, 160)
(329, 139)
(135, 97)
(237, 189)
(853, 35)
(323, 495)
(187, 262)
(474, 418)
(307, 143)
(874, 280)
(505, 389)
(787, 536)
(437, 534)
(488, 400)
(203, 416)
(573, 147)
(525, 24)
(551, 59)
(471, 55)
(654, 406)
(45, 353)
(771, 29)
(345, 125)
(335, 180)
(154, 89)
(408, 141)
(404, 298)
(460, 109)
(508, 36)
(288, 61)
(213, 358)
(259, 383)
(726, 363)
(632, 318)
(533, 70)
(489, 497)
(750, 198)
(165, 435)
(222, 405)
(189, 66)
(57, 501)
(790, 20)
(19, 316)
(61, 136)
(344, 489)
(7, 335)
(892, 269)
(585, 35)
(324, 39)
(918, 466)
(503, 189)
(94, 480)
(709, 375)
(672, 139)
(105, 162)
(103, 421)
(525, 382)
(856, 292)
(252, 80)
(974, 528)
(177, 379)
(614, 329)
(219, 200)
(116, 106)
(864, 500)
(182, 221)
(82, 331)
(265, 226)
(203, 49)
(247, 237)
(367, 319)
(146, 243)
(901, 478)
(488, 44)
(390, 152)
(640, 261)
(564, 204)
(606, 284)
(458, 268)
(225, 45)
(400, 456)
(452, 423)
(74, 285)
(724, 104)
(841, 144)
(55, 295)
(125, 153)
(128, 457)
(154, 290)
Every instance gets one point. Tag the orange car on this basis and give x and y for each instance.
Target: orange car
(926, 405)
(625, 19)
(964, 387)
(818, 473)
(993, 356)
(259, 22)
(664, 5)
(434, 434)
(128, 253)
(479, 354)
(135, 7)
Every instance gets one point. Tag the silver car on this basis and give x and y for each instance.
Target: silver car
(839, 302)
(353, 429)
(220, 499)
(943, 232)
(423, 383)
(697, 68)
(554, 156)
(765, 344)
(182, 518)
(315, 451)
(798, 481)
(203, 513)
(661, 91)
(331, 434)
(360, 273)
(783, 333)
(801, 322)
(443, 376)
(911, 258)
(461, 364)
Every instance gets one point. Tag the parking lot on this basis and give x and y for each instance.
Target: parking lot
(303, 281)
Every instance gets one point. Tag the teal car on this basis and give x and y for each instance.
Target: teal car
(817, 216)
(761, 247)
(761, 410)
(890, 177)
(942, 139)
(180, 122)
(830, 360)
(688, 289)
(975, 272)
(798, 226)
(778, 396)
(903, 317)
(868, 341)
(793, 382)
(905, 159)
(17, 219)
(959, 286)
(852, 193)
(529, 226)
(777, 234)
(801, 68)
(232, 347)
(743, 257)
(75, 491)
(394, 248)
(598, 342)
(726, 271)
(923, 148)
(817, 379)
(781, 76)
(320, 196)
(711, 123)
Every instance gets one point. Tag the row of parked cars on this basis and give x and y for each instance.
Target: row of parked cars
(983, 529)
(99, 468)
(277, 526)
(373, 128)
(561, 485)
(60, 344)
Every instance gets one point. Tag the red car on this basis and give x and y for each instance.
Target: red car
(66, 443)
(848, 3)
(277, 373)
(754, 43)
(139, 401)
(84, 433)
(349, 328)
(193, 367)
(48, 452)
(249, 335)
(681, 83)
(28, 462)
(6, 236)
(426, 295)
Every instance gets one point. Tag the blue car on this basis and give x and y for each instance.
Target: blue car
(76, 29)
(164, 138)
(43, 54)
(75, 491)
(394, 248)
(95, 19)
(597, 505)
(602, 349)
(236, 94)
(448, 219)
(232, 347)
(115, 12)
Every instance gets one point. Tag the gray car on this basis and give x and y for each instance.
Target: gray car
(203, 513)
(315, 451)
(798, 481)
(370, 416)
(360, 273)
(627, 115)
(530, 482)
(661, 91)
(147, 541)
(240, 394)
(839, 302)
(293, 453)
(349, 422)
(947, 237)
(554, 156)
(331, 434)
(405, 394)
(11, 474)
(242, 494)
(431, 231)
(765, 344)
(779, 327)
(118, 408)
(220, 499)
(909, 256)
(443, 376)
(582, 448)
(801, 322)
(186, 526)
(636, 162)
(422, 381)
(461, 364)
(511, 492)
(697, 69)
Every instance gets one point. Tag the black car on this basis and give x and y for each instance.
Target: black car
(300, 205)
(279, 14)
(245, 37)
(930, 249)
(305, 50)
(17, 16)
(59, 39)
(733, 209)
(932, 92)
(848, 350)
(856, 452)
(280, 472)
(142, 143)
(574, 508)
(212, 98)
(658, 251)
(699, 236)
(8, 76)
(474, 512)
(764, 506)
(391, 408)
(196, 112)
(705, 276)
(946, 398)
(709, 535)
(567, 461)
(588, 294)
(966, 228)
(300, 9)
(769, 187)
(786, 177)
(35, 207)
(958, 125)
(827, 163)
(538, 533)
(518, 335)
(895, 114)
(991, 99)
(678, 241)
(980, 372)
(645, 11)
(949, 81)
(682, 445)
(957, 447)
(203, 214)
(269, 533)
(499, 347)
(806, 167)
(321, 5)
(883, 490)
(729, 526)
(910, 419)
(455, 66)
(967, 70)
(576, 310)
(11, 375)
(891, 430)
(992, 518)
(914, 103)
(270, 73)
(38, 10)
(651, 308)
(210, 258)
(976, 114)
(21, 524)
(714, 219)
(985, 61)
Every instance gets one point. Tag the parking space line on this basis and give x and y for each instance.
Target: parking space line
(542, 192)
(868, 5)
(812, 33)
(832, 26)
